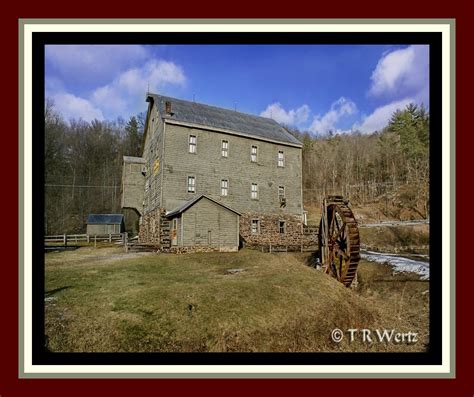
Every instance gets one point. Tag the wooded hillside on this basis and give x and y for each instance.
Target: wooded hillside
(83, 168)
(389, 169)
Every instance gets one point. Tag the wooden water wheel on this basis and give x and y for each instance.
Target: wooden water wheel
(339, 242)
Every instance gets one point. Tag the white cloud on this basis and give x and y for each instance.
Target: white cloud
(73, 107)
(127, 91)
(380, 116)
(123, 96)
(400, 77)
(341, 108)
(93, 64)
(291, 117)
(402, 73)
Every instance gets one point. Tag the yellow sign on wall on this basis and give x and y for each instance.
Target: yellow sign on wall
(156, 166)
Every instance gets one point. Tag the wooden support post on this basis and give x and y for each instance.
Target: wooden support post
(88, 238)
(65, 240)
(110, 238)
(95, 240)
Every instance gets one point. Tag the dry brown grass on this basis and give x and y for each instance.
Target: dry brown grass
(104, 300)
(415, 238)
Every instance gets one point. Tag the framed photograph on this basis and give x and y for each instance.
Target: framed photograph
(237, 198)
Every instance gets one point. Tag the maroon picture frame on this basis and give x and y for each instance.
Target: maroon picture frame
(462, 385)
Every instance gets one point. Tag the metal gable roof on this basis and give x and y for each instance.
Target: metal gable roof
(104, 219)
(190, 203)
(226, 119)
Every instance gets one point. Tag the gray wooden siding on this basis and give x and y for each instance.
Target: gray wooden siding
(206, 221)
(133, 184)
(153, 153)
(103, 229)
(209, 168)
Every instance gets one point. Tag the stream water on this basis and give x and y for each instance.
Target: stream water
(419, 264)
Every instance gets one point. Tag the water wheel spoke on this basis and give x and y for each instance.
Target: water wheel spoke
(340, 233)
(341, 252)
(340, 239)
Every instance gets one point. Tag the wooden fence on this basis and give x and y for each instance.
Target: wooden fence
(66, 239)
(289, 248)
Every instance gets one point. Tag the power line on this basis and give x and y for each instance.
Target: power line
(82, 186)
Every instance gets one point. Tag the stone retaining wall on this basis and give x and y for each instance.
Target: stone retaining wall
(269, 231)
(155, 229)
(149, 232)
(197, 248)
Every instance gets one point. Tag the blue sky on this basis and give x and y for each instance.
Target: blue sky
(312, 87)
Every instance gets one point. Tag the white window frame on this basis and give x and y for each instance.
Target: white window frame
(224, 187)
(225, 149)
(254, 192)
(281, 160)
(257, 229)
(192, 144)
(254, 154)
(280, 222)
(192, 185)
(280, 196)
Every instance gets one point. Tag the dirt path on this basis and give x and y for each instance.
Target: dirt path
(89, 256)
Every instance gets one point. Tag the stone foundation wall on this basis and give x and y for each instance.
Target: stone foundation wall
(149, 232)
(165, 230)
(155, 229)
(198, 248)
(269, 232)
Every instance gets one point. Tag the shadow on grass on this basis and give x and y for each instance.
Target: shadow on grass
(52, 248)
(313, 260)
(53, 291)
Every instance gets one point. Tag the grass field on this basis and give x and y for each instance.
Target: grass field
(103, 300)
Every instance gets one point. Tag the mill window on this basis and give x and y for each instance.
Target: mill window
(255, 226)
(254, 154)
(254, 192)
(281, 192)
(192, 143)
(282, 227)
(281, 159)
(225, 149)
(224, 187)
(191, 184)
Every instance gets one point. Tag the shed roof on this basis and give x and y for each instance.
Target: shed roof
(190, 203)
(104, 219)
(225, 119)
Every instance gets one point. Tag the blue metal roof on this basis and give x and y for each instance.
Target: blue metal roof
(104, 219)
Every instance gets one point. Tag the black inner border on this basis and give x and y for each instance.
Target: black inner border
(45, 357)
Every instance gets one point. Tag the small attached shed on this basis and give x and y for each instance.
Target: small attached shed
(105, 224)
(204, 222)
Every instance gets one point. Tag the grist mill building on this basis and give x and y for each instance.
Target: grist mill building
(214, 179)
